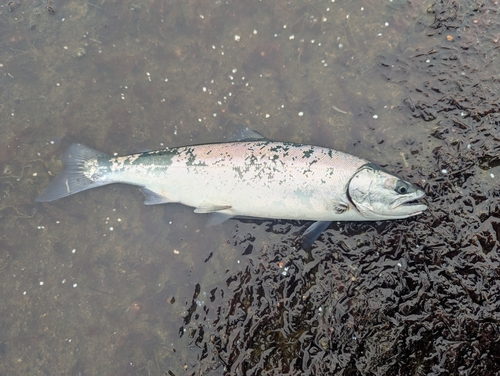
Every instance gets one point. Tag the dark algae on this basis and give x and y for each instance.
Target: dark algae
(413, 297)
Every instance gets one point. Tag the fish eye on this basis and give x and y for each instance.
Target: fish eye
(401, 188)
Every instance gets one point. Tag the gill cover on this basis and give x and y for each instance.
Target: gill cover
(378, 195)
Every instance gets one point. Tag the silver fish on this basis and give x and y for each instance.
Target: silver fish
(252, 177)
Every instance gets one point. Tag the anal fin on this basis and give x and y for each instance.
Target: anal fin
(153, 198)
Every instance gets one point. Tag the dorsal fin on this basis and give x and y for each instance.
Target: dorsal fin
(246, 134)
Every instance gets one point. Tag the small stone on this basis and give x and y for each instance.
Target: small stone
(323, 342)
(80, 52)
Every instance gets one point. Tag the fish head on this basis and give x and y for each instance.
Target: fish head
(379, 195)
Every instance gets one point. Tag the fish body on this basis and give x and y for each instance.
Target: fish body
(255, 178)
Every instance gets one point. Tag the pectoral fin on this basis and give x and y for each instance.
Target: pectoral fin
(312, 233)
(340, 207)
(211, 207)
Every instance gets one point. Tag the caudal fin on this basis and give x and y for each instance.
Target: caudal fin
(73, 179)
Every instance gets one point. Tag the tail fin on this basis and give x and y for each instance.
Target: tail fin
(73, 179)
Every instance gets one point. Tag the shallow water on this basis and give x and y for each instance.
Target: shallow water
(98, 283)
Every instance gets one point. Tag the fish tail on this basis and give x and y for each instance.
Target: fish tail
(75, 177)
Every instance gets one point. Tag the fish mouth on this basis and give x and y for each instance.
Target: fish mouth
(413, 208)
(409, 205)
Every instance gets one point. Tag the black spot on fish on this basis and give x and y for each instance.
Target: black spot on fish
(308, 153)
(150, 157)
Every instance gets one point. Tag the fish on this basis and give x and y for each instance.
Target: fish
(249, 177)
